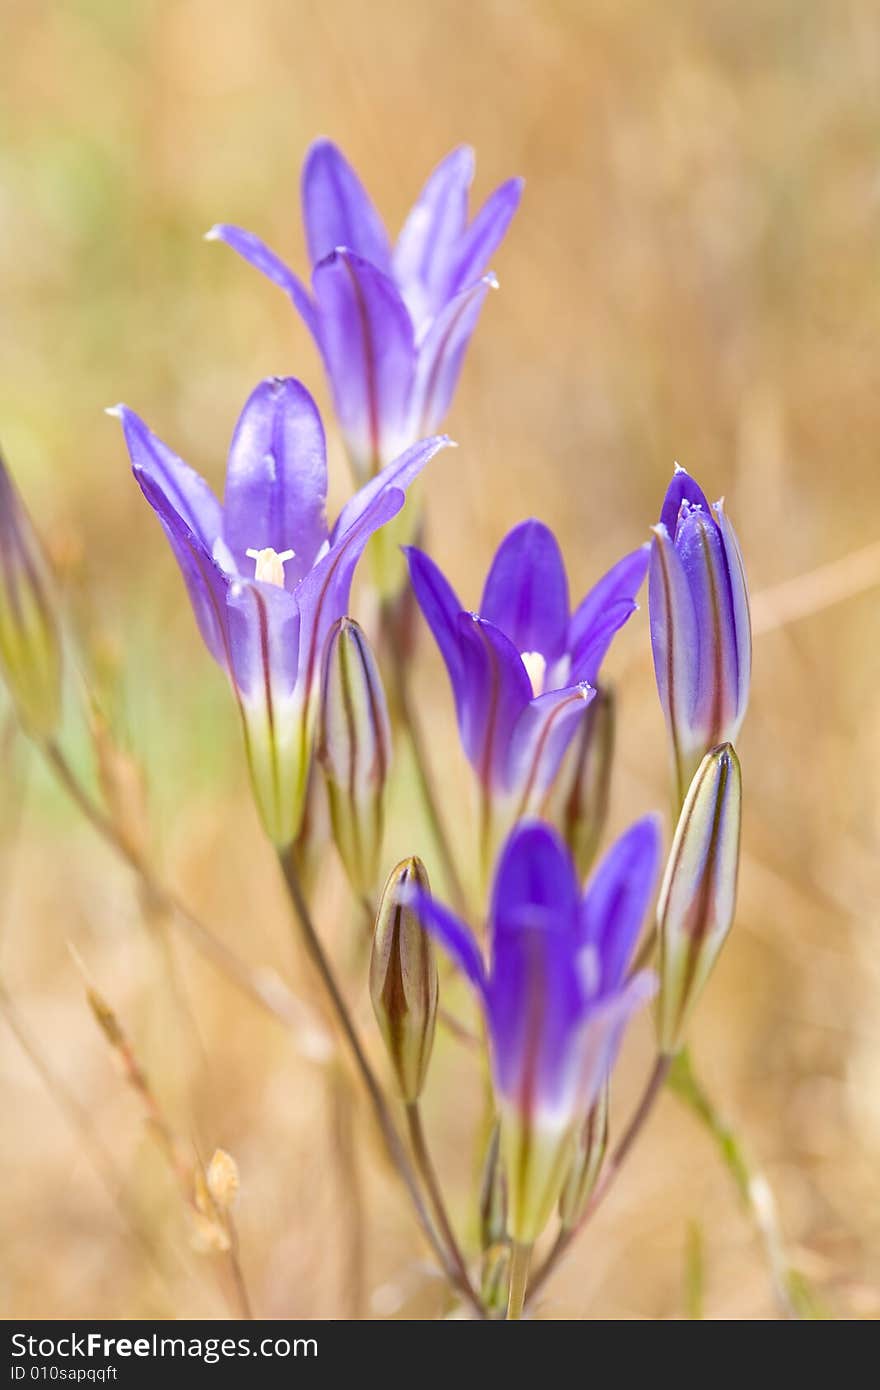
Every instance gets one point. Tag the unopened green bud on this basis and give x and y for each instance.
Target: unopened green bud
(354, 748)
(493, 1194)
(698, 896)
(589, 1155)
(403, 979)
(578, 802)
(30, 644)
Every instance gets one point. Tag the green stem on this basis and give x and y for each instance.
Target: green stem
(520, 1259)
(792, 1292)
(387, 1128)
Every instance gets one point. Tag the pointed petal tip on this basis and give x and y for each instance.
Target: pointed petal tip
(117, 411)
(214, 233)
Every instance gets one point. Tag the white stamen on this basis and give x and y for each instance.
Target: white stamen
(536, 670)
(269, 564)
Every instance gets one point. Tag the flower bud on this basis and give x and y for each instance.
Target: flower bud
(592, 1142)
(354, 748)
(403, 978)
(698, 896)
(30, 645)
(700, 629)
(493, 1194)
(578, 800)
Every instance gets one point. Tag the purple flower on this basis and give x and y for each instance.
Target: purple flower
(523, 669)
(556, 994)
(391, 324)
(700, 626)
(267, 578)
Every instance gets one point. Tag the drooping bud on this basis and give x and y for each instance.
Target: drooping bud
(354, 748)
(403, 978)
(578, 799)
(592, 1142)
(698, 896)
(700, 629)
(30, 644)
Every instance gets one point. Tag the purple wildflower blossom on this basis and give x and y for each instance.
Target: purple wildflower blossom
(391, 323)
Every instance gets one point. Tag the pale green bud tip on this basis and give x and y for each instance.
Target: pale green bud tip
(403, 978)
(354, 749)
(698, 896)
(30, 644)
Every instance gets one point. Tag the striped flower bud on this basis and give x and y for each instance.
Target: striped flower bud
(700, 628)
(403, 978)
(578, 800)
(698, 897)
(592, 1142)
(354, 747)
(30, 644)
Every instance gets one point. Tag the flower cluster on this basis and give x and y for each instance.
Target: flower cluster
(549, 942)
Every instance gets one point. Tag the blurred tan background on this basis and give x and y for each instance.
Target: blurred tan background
(694, 275)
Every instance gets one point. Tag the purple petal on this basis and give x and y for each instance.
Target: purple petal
(701, 551)
(681, 489)
(597, 1044)
(367, 342)
(535, 1011)
(430, 235)
(258, 254)
(264, 643)
(618, 896)
(454, 935)
(441, 353)
(182, 487)
(337, 211)
(322, 596)
(205, 581)
(485, 234)
(615, 593)
(739, 603)
(535, 883)
(495, 690)
(674, 641)
(526, 592)
(542, 733)
(587, 658)
(403, 471)
(276, 479)
(441, 608)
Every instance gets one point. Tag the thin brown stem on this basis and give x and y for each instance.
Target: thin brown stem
(425, 1165)
(387, 1128)
(422, 764)
(643, 1110)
